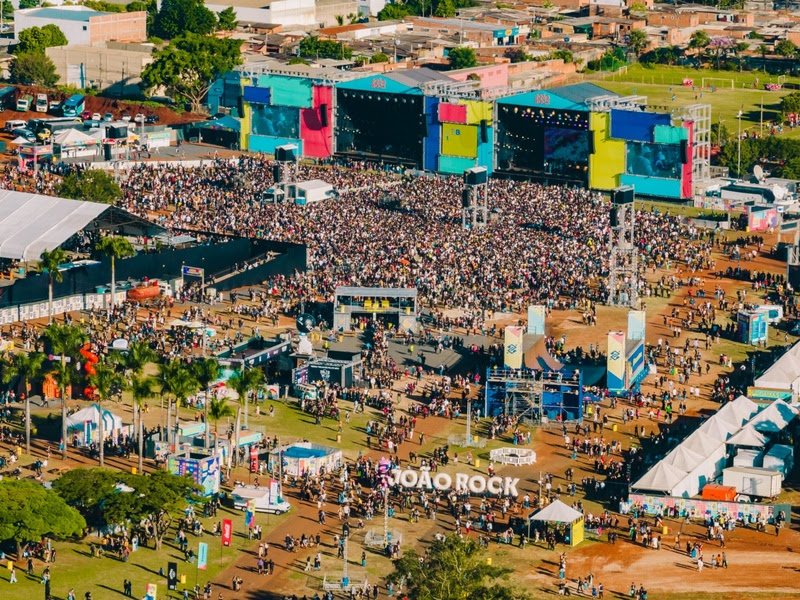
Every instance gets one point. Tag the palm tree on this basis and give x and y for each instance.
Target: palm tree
(142, 388)
(206, 371)
(218, 409)
(244, 382)
(49, 261)
(104, 381)
(27, 367)
(164, 378)
(132, 362)
(175, 379)
(114, 248)
(66, 341)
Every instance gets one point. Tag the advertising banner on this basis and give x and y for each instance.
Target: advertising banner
(513, 347)
(616, 361)
(150, 591)
(253, 459)
(250, 514)
(227, 532)
(536, 316)
(172, 575)
(202, 556)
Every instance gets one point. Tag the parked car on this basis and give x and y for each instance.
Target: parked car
(126, 117)
(55, 106)
(96, 117)
(108, 117)
(25, 133)
(86, 115)
(151, 119)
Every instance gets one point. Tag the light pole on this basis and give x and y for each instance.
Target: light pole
(739, 162)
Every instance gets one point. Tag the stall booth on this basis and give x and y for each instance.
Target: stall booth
(83, 426)
(564, 518)
(202, 468)
(304, 458)
(72, 143)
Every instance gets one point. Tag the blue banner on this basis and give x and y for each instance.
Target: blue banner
(202, 556)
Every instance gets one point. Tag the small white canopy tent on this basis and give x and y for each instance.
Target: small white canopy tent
(663, 477)
(748, 437)
(784, 374)
(85, 422)
(557, 512)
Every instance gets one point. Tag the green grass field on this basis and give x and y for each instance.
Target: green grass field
(659, 84)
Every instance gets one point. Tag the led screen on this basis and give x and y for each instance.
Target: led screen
(654, 160)
(565, 144)
(275, 121)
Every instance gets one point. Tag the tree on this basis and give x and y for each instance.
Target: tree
(176, 380)
(379, 57)
(32, 68)
(296, 60)
(37, 39)
(66, 341)
(206, 372)
(227, 20)
(92, 185)
(312, 46)
(188, 66)
(699, 40)
(720, 47)
(28, 3)
(445, 8)
(86, 489)
(244, 382)
(638, 41)
(719, 134)
(462, 57)
(517, 55)
(48, 263)
(142, 389)
(393, 12)
(29, 512)
(638, 9)
(453, 569)
(106, 383)
(26, 368)
(114, 248)
(179, 17)
(785, 48)
(790, 103)
(155, 497)
(218, 409)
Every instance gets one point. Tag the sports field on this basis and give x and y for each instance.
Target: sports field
(733, 92)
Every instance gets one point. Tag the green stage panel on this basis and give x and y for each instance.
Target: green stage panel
(666, 134)
(455, 164)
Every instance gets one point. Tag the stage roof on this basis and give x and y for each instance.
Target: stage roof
(402, 81)
(570, 97)
(32, 223)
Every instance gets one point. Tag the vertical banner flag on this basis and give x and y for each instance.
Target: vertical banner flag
(274, 496)
(536, 315)
(150, 591)
(202, 556)
(636, 320)
(253, 459)
(513, 347)
(227, 532)
(172, 575)
(616, 361)
(250, 514)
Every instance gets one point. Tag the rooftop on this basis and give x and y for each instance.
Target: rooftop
(74, 13)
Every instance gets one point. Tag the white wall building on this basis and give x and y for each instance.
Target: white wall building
(279, 12)
(84, 26)
(371, 8)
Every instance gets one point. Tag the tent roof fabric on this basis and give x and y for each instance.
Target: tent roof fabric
(661, 478)
(557, 512)
(718, 428)
(783, 373)
(702, 443)
(72, 136)
(774, 418)
(684, 458)
(91, 413)
(748, 436)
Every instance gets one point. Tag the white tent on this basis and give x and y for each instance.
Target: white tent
(737, 412)
(702, 443)
(718, 428)
(774, 418)
(684, 458)
(784, 374)
(748, 437)
(91, 413)
(557, 512)
(663, 477)
(72, 137)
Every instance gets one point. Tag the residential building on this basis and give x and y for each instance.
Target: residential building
(84, 26)
(114, 67)
(281, 12)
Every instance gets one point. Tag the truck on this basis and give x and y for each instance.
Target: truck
(42, 103)
(24, 103)
(753, 481)
(265, 499)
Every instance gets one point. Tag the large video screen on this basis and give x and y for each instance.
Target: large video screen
(566, 145)
(654, 160)
(275, 121)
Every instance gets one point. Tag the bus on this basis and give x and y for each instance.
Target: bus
(73, 106)
(8, 97)
(24, 103)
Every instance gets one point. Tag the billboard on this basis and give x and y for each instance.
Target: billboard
(460, 140)
(636, 321)
(536, 316)
(761, 220)
(654, 160)
(275, 121)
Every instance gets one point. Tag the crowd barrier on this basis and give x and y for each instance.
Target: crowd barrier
(40, 310)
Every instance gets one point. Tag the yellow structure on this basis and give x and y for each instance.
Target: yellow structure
(478, 111)
(607, 162)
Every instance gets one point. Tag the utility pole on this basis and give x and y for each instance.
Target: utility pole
(739, 162)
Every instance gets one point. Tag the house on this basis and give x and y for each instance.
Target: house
(84, 26)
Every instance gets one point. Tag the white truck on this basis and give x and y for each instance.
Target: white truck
(42, 103)
(265, 499)
(753, 481)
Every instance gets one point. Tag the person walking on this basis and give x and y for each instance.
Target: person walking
(13, 578)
